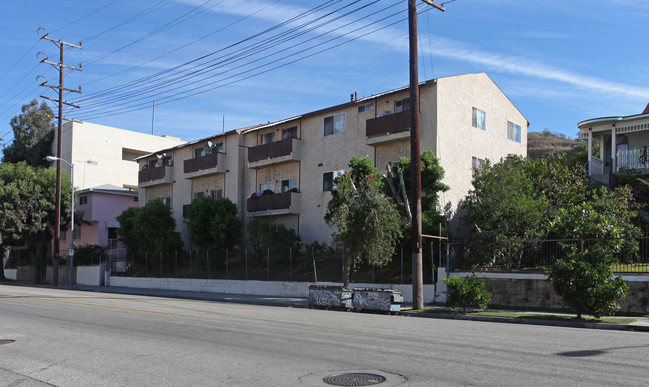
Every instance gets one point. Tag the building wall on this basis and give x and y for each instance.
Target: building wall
(108, 147)
(458, 141)
(446, 128)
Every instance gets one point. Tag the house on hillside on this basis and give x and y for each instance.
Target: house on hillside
(284, 171)
(621, 141)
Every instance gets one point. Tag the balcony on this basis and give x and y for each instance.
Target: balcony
(154, 176)
(274, 204)
(392, 127)
(205, 165)
(277, 152)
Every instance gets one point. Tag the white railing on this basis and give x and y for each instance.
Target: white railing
(630, 159)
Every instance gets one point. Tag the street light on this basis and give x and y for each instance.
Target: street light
(71, 252)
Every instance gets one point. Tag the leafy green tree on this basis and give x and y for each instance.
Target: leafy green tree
(367, 223)
(585, 281)
(33, 135)
(264, 236)
(432, 175)
(214, 224)
(27, 206)
(149, 231)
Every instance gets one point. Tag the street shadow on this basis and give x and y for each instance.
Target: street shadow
(595, 352)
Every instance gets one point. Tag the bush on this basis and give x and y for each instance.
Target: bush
(469, 291)
(585, 282)
(89, 254)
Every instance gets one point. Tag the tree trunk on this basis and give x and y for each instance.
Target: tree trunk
(41, 266)
(347, 269)
(4, 253)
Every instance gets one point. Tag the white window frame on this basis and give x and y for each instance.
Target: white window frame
(402, 105)
(334, 175)
(476, 164)
(267, 138)
(268, 185)
(479, 118)
(366, 107)
(334, 124)
(288, 184)
(513, 131)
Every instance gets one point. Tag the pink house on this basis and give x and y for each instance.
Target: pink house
(100, 206)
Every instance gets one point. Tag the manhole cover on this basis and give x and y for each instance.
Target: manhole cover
(354, 379)
(6, 341)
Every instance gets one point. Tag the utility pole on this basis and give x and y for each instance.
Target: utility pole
(415, 159)
(61, 67)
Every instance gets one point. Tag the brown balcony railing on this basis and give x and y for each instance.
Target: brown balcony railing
(273, 149)
(151, 174)
(392, 123)
(269, 202)
(201, 163)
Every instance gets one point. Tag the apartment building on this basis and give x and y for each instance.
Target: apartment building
(106, 155)
(284, 171)
(104, 171)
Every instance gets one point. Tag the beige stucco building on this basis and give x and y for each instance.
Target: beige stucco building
(291, 164)
(621, 141)
(106, 155)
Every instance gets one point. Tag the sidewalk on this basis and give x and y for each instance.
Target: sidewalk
(642, 323)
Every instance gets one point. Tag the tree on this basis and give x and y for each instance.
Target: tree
(432, 175)
(33, 135)
(585, 281)
(214, 224)
(264, 236)
(367, 222)
(149, 231)
(27, 204)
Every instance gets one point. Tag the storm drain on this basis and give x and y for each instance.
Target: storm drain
(6, 341)
(354, 379)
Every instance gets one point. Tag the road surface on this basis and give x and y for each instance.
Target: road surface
(60, 337)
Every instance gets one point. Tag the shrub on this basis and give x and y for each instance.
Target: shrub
(585, 282)
(469, 291)
(89, 254)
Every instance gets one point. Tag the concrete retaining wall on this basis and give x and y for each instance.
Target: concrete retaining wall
(535, 291)
(259, 288)
(90, 275)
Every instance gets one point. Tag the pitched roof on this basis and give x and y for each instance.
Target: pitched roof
(646, 110)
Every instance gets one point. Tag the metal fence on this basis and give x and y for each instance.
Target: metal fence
(534, 255)
(313, 265)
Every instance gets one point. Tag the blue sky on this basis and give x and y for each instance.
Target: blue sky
(560, 62)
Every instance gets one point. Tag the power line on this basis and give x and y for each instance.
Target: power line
(232, 79)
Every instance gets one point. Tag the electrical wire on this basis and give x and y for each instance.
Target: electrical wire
(262, 70)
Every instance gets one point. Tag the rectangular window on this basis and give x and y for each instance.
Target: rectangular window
(476, 165)
(289, 184)
(334, 124)
(112, 233)
(513, 131)
(77, 233)
(198, 195)
(166, 201)
(216, 193)
(328, 179)
(479, 119)
(402, 105)
(267, 188)
(199, 152)
(289, 133)
(267, 138)
(83, 199)
(366, 108)
(218, 147)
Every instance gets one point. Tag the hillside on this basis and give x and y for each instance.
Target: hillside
(543, 144)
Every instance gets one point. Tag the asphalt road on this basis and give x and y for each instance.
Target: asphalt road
(75, 338)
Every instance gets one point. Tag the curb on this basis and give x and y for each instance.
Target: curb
(532, 321)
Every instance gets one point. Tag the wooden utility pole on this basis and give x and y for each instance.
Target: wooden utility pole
(415, 159)
(61, 67)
